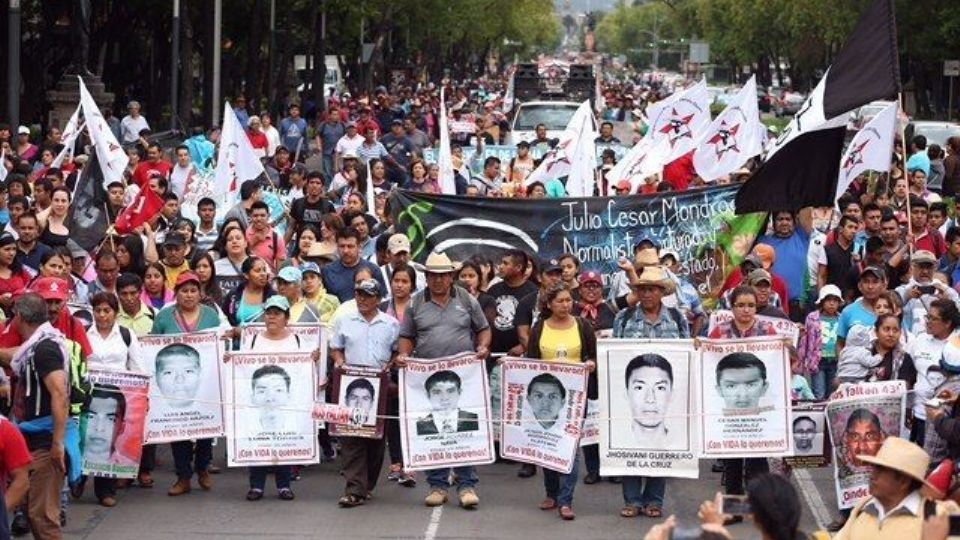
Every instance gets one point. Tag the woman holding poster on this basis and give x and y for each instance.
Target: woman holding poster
(114, 349)
(559, 336)
(738, 471)
(187, 314)
(279, 339)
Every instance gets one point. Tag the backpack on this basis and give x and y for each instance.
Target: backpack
(125, 335)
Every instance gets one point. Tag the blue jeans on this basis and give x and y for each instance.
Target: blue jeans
(466, 477)
(185, 451)
(258, 476)
(328, 169)
(822, 380)
(636, 493)
(560, 486)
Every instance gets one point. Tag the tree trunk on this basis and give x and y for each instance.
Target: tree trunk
(319, 57)
(187, 42)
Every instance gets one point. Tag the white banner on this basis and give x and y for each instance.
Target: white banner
(185, 397)
(448, 184)
(680, 119)
(732, 138)
(543, 406)
(870, 149)
(745, 392)
(783, 327)
(648, 408)
(113, 159)
(270, 400)
(861, 416)
(236, 160)
(111, 427)
(312, 337)
(591, 424)
(445, 413)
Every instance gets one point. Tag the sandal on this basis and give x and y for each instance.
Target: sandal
(653, 512)
(566, 513)
(349, 501)
(629, 511)
(548, 504)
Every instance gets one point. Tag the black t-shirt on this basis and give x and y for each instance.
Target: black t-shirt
(507, 302)
(529, 310)
(310, 213)
(47, 358)
(839, 264)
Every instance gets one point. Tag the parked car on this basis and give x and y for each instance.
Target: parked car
(935, 132)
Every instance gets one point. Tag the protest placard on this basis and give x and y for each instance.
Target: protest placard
(445, 413)
(311, 337)
(860, 417)
(745, 395)
(783, 327)
(111, 427)
(647, 408)
(811, 440)
(270, 401)
(364, 392)
(185, 393)
(591, 424)
(542, 409)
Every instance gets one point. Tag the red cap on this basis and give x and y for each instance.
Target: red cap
(52, 288)
(186, 277)
(624, 184)
(588, 277)
(939, 479)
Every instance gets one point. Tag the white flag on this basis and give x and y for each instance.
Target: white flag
(870, 149)
(371, 200)
(508, 98)
(113, 159)
(645, 159)
(448, 184)
(567, 157)
(680, 119)
(732, 138)
(69, 138)
(236, 160)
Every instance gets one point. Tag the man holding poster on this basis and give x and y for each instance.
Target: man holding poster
(368, 339)
(444, 320)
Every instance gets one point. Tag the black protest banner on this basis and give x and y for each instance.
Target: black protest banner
(699, 225)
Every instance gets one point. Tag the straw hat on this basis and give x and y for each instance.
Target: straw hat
(440, 263)
(902, 456)
(321, 251)
(657, 276)
(646, 257)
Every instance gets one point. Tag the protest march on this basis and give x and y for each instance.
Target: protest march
(561, 266)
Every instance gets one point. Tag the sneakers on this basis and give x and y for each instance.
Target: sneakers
(145, 480)
(182, 487)
(469, 499)
(437, 497)
(286, 494)
(205, 480)
(396, 472)
(408, 480)
(254, 494)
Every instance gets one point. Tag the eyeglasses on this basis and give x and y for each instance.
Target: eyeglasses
(870, 437)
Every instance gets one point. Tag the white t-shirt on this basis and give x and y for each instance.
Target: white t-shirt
(926, 351)
(111, 353)
(273, 140)
(262, 343)
(180, 177)
(131, 127)
(347, 145)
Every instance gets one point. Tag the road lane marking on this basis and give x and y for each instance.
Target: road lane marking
(431, 532)
(821, 514)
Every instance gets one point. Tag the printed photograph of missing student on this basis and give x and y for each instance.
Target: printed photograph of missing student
(741, 383)
(178, 375)
(863, 434)
(656, 419)
(443, 391)
(545, 398)
(360, 395)
(270, 395)
(103, 423)
(808, 436)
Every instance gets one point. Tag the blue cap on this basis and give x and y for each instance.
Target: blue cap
(309, 267)
(290, 274)
(277, 301)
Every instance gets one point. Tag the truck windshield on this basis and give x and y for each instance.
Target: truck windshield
(554, 116)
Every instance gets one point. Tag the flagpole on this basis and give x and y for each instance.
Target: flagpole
(903, 171)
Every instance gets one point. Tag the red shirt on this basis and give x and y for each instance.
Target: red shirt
(13, 449)
(71, 327)
(680, 172)
(932, 241)
(258, 139)
(146, 170)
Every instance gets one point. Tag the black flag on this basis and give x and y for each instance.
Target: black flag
(88, 212)
(801, 169)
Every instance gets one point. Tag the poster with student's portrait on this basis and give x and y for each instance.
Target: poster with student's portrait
(860, 417)
(186, 401)
(591, 424)
(445, 413)
(312, 337)
(111, 426)
(269, 406)
(745, 392)
(363, 391)
(811, 442)
(542, 409)
(647, 408)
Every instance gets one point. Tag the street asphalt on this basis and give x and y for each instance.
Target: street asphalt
(508, 509)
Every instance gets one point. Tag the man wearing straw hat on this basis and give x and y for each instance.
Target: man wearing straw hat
(896, 508)
(444, 320)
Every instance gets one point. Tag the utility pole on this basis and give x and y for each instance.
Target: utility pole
(13, 64)
(272, 73)
(174, 63)
(656, 41)
(217, 49)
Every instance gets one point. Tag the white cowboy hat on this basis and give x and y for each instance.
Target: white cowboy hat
(439, 263)
(654, 275)
(902, 456)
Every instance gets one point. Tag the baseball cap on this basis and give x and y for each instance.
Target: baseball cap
(186, 277)
(174, 240)
(827, 291)
(624, 185)
(876, 272)
(753, 259)
(277, 301)
(398, 243)
(52, 288)
(23, 130)
(552, 265)
(923, 256)
(648, 239)
(351, 124)
(309, 267)
(590, 277)
(370, 287)
(290, 274)
(758, 275)
(669, 253)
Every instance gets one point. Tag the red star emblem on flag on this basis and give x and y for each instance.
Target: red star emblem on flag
(854, 158)
(677, 127)
(725, 139)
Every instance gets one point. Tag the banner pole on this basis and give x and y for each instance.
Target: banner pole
(903, 171)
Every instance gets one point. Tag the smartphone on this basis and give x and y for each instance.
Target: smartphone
(927, 289)
(955, 525)
(735, 505)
